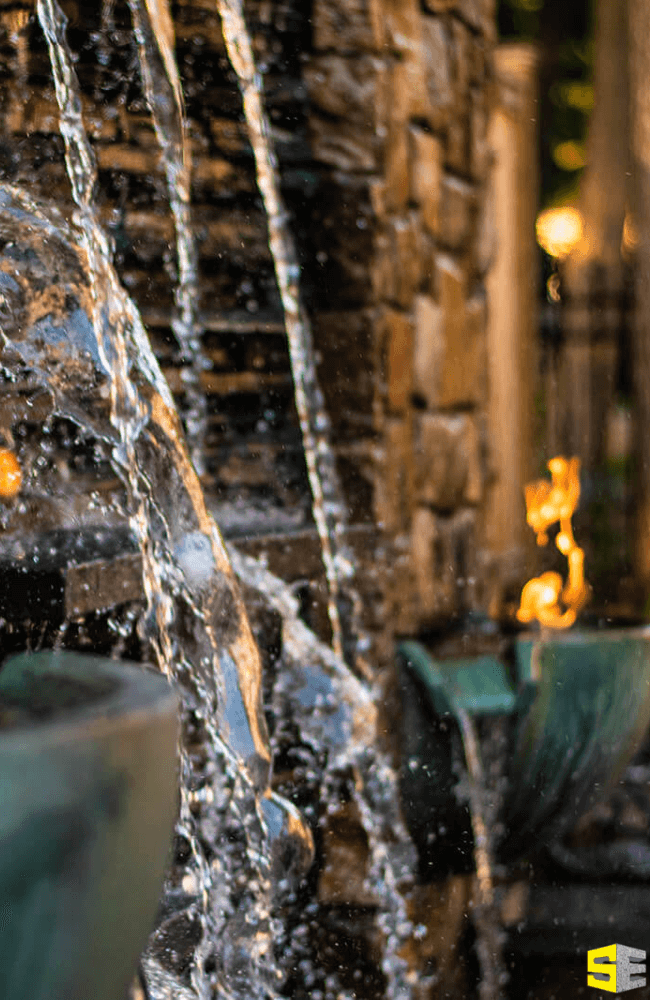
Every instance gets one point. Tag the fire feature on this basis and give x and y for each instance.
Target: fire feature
(547, 503)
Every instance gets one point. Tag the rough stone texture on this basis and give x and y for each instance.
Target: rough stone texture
(357, 25)
(425, 164)
(379, 111)
(447, 460)
(399, 360)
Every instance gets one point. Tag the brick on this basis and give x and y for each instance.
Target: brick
(425, 163)
(448, 460)
(399, 360)
(354, 25)
(457, 211)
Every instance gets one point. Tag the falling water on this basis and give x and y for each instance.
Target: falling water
(489, 936)
(327, 503)
(336, 714)
(196, 622)
(154, 31)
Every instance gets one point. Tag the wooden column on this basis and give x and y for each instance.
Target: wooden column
(640, 91)
(512, 306)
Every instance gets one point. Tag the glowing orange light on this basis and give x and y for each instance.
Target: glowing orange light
(559, 230)
(11, 477)
(547, 503)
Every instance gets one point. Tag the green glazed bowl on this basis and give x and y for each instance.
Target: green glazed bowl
(88, 798)
(583, 711)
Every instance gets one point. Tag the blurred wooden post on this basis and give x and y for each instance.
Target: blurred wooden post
(512, 307)
(594, 275)
(639, 11)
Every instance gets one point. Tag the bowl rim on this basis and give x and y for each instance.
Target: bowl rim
(575, 636)
(140, 695)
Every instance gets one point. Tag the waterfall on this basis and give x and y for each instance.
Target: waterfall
(195, 621)
(154, 32)
(336, 714)
(327, 502)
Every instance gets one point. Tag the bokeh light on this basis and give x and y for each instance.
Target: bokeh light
(559, 230)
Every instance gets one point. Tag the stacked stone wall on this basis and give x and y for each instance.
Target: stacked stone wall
(379, 112)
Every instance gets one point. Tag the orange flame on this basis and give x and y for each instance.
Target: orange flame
(547, 503)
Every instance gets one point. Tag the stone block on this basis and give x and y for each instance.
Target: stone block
(403, 22)
(406, 258)
(424, 539)
(479, 148)
(396, 165)
(425, 168)
(457, 211)
(399, 360)
(343, 145)
(429, 350)
(438, 69)
(346, 87)
(449, 360)
(348, 371)
(350, 25)
(395, 487)
(350, 92)
(457, 145)
(448, 460)
(464, 369)
(452, 283)
(486, 235)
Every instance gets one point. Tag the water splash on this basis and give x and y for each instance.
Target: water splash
(154, 32)
(489, 935)
(327, 502)
(336, 717)
(195, 619)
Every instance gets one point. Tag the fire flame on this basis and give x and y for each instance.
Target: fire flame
(546, 504)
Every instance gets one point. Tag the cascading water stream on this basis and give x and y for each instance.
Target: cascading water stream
(336, 714)
(327, 503)
(196, 621)
(154, 31)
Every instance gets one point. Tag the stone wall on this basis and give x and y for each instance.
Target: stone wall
(379, 111)
(400, 101)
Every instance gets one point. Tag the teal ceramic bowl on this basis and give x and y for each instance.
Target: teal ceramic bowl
(88, 798)
(583, 711)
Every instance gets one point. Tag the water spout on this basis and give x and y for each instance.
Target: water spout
(327, 502)
(154, 31)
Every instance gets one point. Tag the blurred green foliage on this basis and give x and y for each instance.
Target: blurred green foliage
(563, 33)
